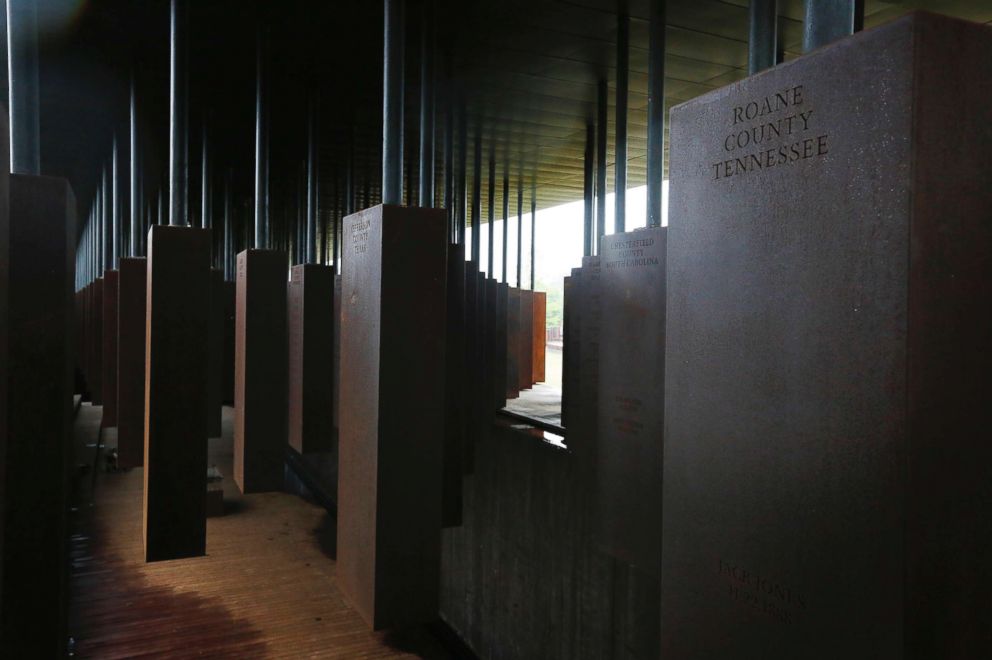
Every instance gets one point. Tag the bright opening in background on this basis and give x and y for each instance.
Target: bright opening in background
(559, 249)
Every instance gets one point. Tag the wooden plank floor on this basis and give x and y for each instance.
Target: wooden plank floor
(266, 588)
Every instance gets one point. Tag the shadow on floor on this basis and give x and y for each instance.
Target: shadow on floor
(326, 536)
(118, 613)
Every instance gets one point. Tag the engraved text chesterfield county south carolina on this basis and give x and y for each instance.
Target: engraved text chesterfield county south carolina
(629, 254)
(775, 130)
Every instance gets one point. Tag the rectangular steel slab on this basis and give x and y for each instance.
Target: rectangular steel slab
(525, 339)
(585, 435)
(109, 366)
(176, 327)
(540, 337)
(494, 366)
(215, 355)
(5, 322)
(500, 384)
(260, 378)
(229, 292)
(471, 366)
(132, 290)
(337, 352)
(311, 358)
(569, 350)
(96, 344)
(39, 409)
(78, 385)
(454, 389)
(392, 413)
(827, 469)
(512, 343)
(631, 397)
(481, 382)
(79, 336)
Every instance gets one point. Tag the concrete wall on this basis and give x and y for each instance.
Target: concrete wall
(521, 577)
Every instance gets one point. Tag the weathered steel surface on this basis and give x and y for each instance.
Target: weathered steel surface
(96, 343)
(337, 354)
(454, 388)
(482, 383)
(176, 323)
(5, 323)
(828, 474)
(85, 338)
(80, 336)
(493, 395)
(311, 358)
(109, 362)
(524, 566)
(392, 413)
(585, 435)
(229, 292)
(512, 343)
(569, 350)
(500, 381)
(132, 291)
(631, 396)
(215, 354)
(294, 357)
(260, 371)
(525, 339)
(471, 366)
(39, 407)
(540, 337)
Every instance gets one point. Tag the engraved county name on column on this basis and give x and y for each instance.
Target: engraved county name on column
(774, 130)
(360, 235)
(629, 254)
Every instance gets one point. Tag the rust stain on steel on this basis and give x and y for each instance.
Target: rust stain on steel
(310, 312)
(260, 371)
(539, 342)
(132, 291)
(177, 306)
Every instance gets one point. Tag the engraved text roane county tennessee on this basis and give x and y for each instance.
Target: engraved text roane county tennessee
(775, 130)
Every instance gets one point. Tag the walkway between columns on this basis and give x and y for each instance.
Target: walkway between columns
(266, 589)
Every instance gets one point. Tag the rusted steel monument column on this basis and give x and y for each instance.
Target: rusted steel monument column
(5, 426)
(392, 393)
(861, 399)
(96, 337)
(229, 294)
(539, 339)
(496, 293)
(39, 239)
(132, 294)
(475, 304)
(392, 414)
(215, 324)
(632, 330)
(628, 328)
(455, 292)
(260, 367)
(525, 332)
(311, 331)
(110, 290)
(42, 240)
(176, 350)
